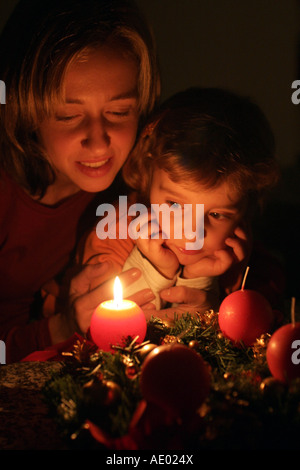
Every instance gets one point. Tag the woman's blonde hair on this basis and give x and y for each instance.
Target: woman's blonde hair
(39, 42)
(206, 136)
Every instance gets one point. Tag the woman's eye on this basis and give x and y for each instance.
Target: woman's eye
(117, 114)
(65, 118)
(120, 113)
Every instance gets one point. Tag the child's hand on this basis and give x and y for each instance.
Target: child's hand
(164, 260)
(221, 260)
(241, 245)
(188, 299)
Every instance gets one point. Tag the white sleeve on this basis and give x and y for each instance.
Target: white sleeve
(209, 284)
(150, 278)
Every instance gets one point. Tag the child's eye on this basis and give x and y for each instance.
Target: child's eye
(218, 216)
(175, 205)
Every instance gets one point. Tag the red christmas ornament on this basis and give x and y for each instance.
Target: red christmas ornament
(175, 378)
(245, 315)
(283, 353)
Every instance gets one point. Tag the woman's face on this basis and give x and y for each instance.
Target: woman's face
(89, 136)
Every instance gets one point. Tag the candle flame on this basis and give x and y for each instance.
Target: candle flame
(118, 292)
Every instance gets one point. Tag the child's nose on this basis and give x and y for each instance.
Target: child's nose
(193, 223)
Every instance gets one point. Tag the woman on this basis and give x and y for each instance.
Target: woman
(80, 77)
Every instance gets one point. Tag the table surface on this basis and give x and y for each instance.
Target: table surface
(25, 423)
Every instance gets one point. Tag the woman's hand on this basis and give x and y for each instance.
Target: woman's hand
(83, 300)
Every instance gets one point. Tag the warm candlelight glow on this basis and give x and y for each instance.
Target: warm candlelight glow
(118, 293)
(115, 320)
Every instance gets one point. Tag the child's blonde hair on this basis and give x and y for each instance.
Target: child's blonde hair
(208, 136)
(39, 42)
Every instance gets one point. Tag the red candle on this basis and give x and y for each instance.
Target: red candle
(283, 351)
(115, 320)
(245, 315)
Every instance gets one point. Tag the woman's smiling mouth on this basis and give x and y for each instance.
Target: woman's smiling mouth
(94, 164)
(95, 168)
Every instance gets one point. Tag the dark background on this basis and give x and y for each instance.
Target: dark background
(251, 47)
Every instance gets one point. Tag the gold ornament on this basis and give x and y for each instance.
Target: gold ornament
(272, 387)
(113, 392)
(81, 351)
(145, 350)
(168, 323)
(194, 344)
(207, 318)
(171, 339)
(260, 346)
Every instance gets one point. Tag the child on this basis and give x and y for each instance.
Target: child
(204, 146)
(80, 76)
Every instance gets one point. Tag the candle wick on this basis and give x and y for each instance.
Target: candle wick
(293, 310)
(245, 277)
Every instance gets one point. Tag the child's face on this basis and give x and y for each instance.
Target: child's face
(222, 214)
(88, 138)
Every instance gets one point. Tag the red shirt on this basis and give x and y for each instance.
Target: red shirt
(35, 244)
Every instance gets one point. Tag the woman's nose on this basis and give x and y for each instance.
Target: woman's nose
(96, 138)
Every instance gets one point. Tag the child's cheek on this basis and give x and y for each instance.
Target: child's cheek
(214, 239)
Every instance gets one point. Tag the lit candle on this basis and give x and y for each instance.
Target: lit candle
(115, 320)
